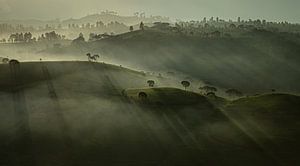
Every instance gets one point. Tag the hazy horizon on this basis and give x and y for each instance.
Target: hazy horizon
(272, 10)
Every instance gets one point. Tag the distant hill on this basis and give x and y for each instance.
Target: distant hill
(254, 63)
(92, 19)
(107, 18)
(30, 22)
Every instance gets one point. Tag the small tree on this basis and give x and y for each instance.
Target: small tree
(5, 60)
(77, 41)
(185, 84)
(131, 28)
(151, 83)
(92, 58)
(208, 89)
(89, 56)
(211, 94)
(95, 57)
(142, 27)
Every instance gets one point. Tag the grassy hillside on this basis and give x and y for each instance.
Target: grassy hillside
(272, 120)
(267, 60)
(280, 111)
(74, 113)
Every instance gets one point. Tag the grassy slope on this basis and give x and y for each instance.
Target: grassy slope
(73, 113)
(280, 111)
(273, 120)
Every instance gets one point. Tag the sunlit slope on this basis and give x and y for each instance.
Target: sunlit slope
(272, 120)
(267, 60)
(74, 113)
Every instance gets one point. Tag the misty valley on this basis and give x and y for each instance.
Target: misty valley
(119, 90)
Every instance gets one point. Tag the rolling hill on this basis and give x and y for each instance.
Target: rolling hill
(74, 113)
(107, 18)
(268, 60)
(92, 19)
(271, 120)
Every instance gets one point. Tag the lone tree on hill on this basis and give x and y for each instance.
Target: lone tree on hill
(95, 57)
(78, 40)
(185, 84)
(211, 94)
(151, 83)
(88, 55)
(142, 26)
(92, 58)
(14, 62)
(5, 60)
(208, 89)
(131, 28)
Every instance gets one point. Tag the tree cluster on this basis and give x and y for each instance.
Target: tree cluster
(216, 27)
(51, 36)
(20, 37)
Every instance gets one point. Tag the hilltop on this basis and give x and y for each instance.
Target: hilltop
(105, 17)
(108, 17)
(266, 59)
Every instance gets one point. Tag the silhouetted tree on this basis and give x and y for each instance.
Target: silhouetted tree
(142, 26)
(185, 84)
(208, 89)
(151, 83)
(78, 40)
(5, 60)
(27, 37)
(88, 56)
(143, 96)
(95, 57)
(232, 26)
(14, 62)
(131, 28)
(92, 57)
(211, 94)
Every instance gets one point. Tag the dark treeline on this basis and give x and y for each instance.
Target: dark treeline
(28, 37)
(213, 27)
(216, 27)
(107, 21)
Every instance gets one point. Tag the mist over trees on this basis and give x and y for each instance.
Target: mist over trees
(104, 22)
(27, 37)
(108, 23)
(225, 45)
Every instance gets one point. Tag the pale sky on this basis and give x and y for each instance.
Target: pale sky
(273, 10)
